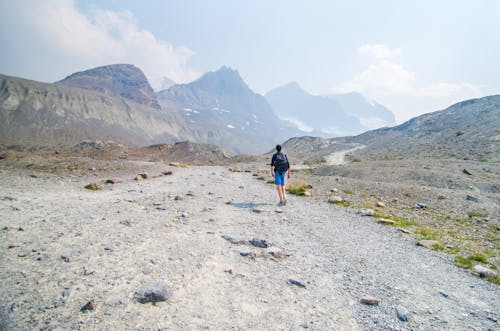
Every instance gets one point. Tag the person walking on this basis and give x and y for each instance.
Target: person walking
(279, 168)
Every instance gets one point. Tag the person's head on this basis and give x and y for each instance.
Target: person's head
(278, 148)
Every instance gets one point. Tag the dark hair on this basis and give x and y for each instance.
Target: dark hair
(278, 148)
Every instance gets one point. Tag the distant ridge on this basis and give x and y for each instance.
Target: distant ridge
(124, 80)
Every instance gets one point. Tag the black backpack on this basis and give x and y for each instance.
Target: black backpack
(281, 162)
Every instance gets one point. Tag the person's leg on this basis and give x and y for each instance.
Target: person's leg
(279, 193)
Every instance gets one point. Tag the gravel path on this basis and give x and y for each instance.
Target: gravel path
(63, 246)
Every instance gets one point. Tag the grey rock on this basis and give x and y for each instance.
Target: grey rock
(481, 271)
(233, 240)
(420, 206)
(296, 283)
(66, 293)
(467, 172)
(429, 244)
(403, 313)
(367, 212)
(66, 257)
(157, 292)
(444, 294)
(262, 243)
(89, 306)
(22, 254)
(42, 257)
(472, 198)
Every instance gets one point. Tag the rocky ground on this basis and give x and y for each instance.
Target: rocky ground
(205, 247)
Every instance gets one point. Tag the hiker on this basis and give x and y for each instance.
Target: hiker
(279, 167)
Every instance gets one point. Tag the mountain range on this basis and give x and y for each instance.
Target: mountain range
(328, 116)
(117, 103)
(467, 130)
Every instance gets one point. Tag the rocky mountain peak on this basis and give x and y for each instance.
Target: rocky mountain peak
(124, 80)
(225, 79)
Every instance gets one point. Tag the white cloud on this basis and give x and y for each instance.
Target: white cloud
(381, 76)
(65, 39)
(395, 87)
(379, 51)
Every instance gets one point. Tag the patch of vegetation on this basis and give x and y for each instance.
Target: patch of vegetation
(348, 192)
(473, 214)
(297, 188)
(343, 203)
(441, 197)
(400, 221)
(93, 186)
(463, 262)
(467, 262)
(483, 159)
(429, 234)
(270, 181)
(352, 158)
(495, 279)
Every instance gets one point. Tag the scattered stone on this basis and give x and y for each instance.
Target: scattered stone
(481, 271)
(385, 221)
(42, 257)
(406, 231)
(89, 306)
(23, 254)
(257, 210)
(234, 241)
(235, 170)
(229, 271)
(296, 283)
(126, 223)
(229, 202)
(12, 246)
(107, 247)
(369, 300)
(65, 257)
(276, 253)
(444, 294)
(403, 313)
(420, 206)
(66, 293)
(262, 243)
(93, 187)
(279, 210)
(142, 176)
(113, 181)
(472, 198)
(429, 244)
(334, 190)
(335, 199)
(367, 212)
(380, 204)
(157, 292)
(167, 173)
(179, 197)
(467, 172)
(307, 194)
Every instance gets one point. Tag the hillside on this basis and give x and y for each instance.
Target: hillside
(466, 130)
(33, 113)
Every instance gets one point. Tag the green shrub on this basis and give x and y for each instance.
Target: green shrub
(463, 262)
(298, 188)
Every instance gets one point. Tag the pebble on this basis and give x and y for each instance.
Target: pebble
(23, 254)
(380, 204)
(420, 206)
(370, 300)
(430, 244)
(89, 306)
(335, 199)
(296, 283)
(367, 212)
(157, 292)
(65, 257)
(403, 313)
(262, 243)
(472, 198)
(179, 197)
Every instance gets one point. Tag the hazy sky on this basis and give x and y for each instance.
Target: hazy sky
(412, 56)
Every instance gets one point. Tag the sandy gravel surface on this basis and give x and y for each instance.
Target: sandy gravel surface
(63, 245)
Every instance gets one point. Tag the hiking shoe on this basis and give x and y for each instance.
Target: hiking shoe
(284, 201)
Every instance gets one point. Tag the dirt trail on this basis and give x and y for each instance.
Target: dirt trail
(338, 158)
(119, 240)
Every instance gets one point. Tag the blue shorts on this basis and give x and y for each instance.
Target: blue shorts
(279, 178)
